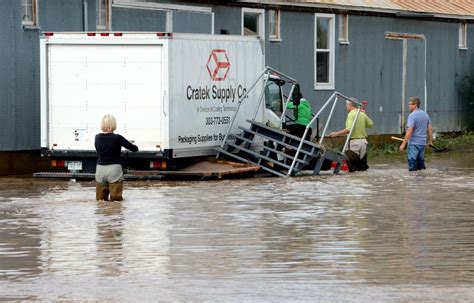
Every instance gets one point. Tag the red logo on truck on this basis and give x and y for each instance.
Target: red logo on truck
(218, 64)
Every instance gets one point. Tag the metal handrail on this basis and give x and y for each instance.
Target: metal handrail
(285, 106)
(237, 109)
(281, 74)
(327, 122)
(267, 71)
(334, 96)
(262, 94)
(350, 132)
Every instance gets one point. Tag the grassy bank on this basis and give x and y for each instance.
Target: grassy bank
(446, 140)
(382, 146)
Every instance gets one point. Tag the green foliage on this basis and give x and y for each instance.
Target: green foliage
(391, 148)
(385, 149)
(445, 140)
(453, 139)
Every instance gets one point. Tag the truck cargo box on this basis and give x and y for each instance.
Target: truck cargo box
(173, 94)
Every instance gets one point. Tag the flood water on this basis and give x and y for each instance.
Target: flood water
(385, 235)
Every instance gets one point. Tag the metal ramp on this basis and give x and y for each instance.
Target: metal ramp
(283, 154)
(296, 154)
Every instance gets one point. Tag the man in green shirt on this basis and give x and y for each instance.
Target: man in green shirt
(358, 142)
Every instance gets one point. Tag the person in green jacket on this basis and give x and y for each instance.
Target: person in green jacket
(302, 114)
(357, 151)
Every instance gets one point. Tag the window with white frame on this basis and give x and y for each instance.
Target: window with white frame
(253, 22)
(343, 28)
(324, 51)
(274, 22)
(103, 15)
(29, 15)
(463, 35)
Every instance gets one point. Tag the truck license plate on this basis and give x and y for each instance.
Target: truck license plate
(74, 165)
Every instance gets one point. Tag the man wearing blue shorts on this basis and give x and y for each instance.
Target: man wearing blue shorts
(418, 128)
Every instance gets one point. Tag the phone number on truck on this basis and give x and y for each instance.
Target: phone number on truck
(217, 120)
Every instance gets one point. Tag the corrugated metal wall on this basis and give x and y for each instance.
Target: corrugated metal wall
(370, 67)
(192, 22)
(126, 19)
(147, 20)
(19, 66)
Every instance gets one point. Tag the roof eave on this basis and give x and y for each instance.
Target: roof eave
(359, 8)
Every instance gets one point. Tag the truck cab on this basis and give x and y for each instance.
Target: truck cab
(274, 101)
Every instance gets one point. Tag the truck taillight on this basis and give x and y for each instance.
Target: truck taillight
(164, 34)
(118, 34)
(91, 34)
(104, 34)
(58, 163)
(158, 165)
(49, 34)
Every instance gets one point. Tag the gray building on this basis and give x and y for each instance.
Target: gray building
(382, 52)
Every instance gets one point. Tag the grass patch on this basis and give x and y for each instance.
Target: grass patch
(453, 139)
(388, 147)
(443, 140)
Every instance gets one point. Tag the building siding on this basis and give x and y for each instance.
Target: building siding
(124, 19)
(19, 66)
(191, 22)
(369, 68)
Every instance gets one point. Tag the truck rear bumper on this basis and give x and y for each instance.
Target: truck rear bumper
(79, 154)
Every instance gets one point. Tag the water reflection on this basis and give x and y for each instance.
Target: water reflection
(20, 245)
(109, 241)
(384, 227)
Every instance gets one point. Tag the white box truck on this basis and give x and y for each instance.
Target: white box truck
(173, 95)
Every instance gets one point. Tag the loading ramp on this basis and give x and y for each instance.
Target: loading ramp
(279, 145)
(281, 153)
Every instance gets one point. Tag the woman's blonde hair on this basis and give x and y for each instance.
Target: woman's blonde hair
(109, 124)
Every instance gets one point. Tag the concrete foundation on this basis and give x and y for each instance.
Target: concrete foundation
(22, 163)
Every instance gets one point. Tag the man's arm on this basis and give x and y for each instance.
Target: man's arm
(369, 123)
(344, 131)
(407, 137)
(430, 134)
(339, 133)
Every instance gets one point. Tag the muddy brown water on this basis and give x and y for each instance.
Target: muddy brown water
(382, 235)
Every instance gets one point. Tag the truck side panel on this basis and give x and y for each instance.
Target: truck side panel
(208, 77)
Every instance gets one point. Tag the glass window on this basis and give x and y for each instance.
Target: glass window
(274, 16)
(28, 12)
(322, 67)
(344, 29)
(322, 34)
(273, 98)
(463, 35)
(252, 22)
(103, 15)
(324, 51)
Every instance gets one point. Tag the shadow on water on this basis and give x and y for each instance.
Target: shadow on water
(384, 234)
